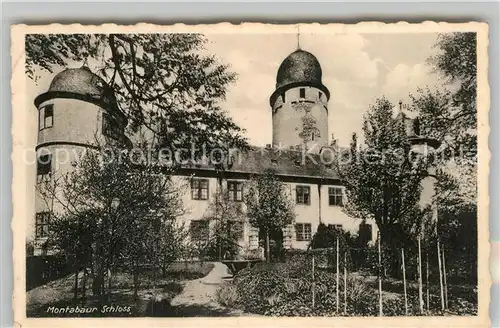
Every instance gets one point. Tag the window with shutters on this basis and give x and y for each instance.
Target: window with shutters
(199, 189)
(46, 117)
(303, 231)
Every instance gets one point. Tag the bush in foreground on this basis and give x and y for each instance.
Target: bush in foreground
(285, 289)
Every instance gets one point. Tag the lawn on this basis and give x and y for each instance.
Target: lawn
(55, 299)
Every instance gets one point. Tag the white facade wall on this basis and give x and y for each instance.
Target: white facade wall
(316, 212)
(287, 120)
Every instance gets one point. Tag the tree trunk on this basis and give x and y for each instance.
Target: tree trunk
(84, 287)
(75, 294)
(268, 251)
(136, 280)
(164, 269)
(109, 281)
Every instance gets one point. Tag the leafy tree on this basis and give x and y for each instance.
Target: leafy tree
(106, 211)
(450, 115)
(229, 218)
(457, 60)
(382, 178)
(269, 207)
(162, 82)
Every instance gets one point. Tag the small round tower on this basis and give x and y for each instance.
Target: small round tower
(423, 146)
(300, 102)
(78, 112)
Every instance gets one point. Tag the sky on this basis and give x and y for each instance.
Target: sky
(357, 68)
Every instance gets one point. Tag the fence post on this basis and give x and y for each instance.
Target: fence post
(404, 279)
(345, 283)
(313, 284)
(380, 309)
(440, 275)
(427, 278)
(445, 283)
(337, 289)
(420, 287)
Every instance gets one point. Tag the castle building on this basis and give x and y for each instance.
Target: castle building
(79, 109)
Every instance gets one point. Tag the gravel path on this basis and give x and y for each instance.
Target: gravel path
(198, 296)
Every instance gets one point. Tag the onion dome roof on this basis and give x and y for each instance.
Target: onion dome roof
(300, 68)
(81, 83)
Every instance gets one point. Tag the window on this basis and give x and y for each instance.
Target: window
(199, 189)
(283, 97)
(235, 189)
(319, 95)
(303, 195)
(110, 127)
(302, 92)
(303, 231)
(199, 230)
(42, 224)
(44, 165)
(335, 196)
(335, 226)
(46, 117)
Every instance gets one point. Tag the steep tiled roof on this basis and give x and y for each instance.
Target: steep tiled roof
(288, 163)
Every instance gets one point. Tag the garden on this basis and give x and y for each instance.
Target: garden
(317, 282)
(155, 291)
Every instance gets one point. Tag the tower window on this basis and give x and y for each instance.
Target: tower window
(44, 164)
(46, 117)
(319, 95)
(283, 97)
(302, 93)
(42, 221)
(303, 195)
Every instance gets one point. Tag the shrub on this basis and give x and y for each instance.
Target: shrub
(285, 289)
(227, 295)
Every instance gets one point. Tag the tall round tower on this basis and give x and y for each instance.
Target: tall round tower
(78, 112)
(425, 147)
(300, 102)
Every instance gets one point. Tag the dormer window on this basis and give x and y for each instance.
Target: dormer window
(46, 117)
(302, 93)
